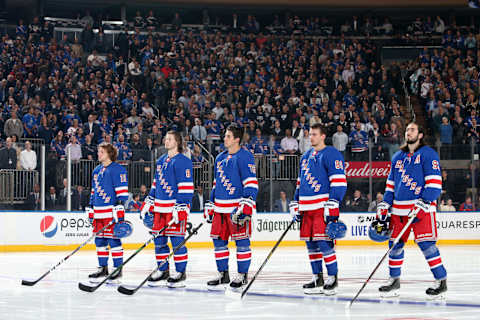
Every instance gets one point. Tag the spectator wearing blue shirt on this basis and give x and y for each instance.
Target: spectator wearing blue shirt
(446, 138)
(124, 152)
(30, 124)
(359, 140)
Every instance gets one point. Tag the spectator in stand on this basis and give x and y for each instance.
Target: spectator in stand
(51, 199)
(446, 138)
(34, 201)
(199, 200)
(13, 126)
(304, 145)
(372, 207)
(89, 150)
(75, 149)
(135, 205)
(340, 140)
(28, 157)
(199, 132)
(282, 204)
(448, 206)
(8, 155)
(467, 205)
(358, 202)
(359, 140)
(124, 152)
(143, 192)
(289, 144)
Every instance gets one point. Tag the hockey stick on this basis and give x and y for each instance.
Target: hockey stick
(88, 288)
(244, 292)
(32, 283)
(397, 239)
(129, 292)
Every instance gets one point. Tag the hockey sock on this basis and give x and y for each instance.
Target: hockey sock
(102, 251)
(395, 259)
(117, 251)
(221, 254)
(161, 251)
(431, 253)
(315, 256)
(329, 256)
(244, 255)
(181, 256)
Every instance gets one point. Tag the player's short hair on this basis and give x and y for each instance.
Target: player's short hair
(320, 127)
(178, 138)
(110, 149)
(422, 143)
(236, 131)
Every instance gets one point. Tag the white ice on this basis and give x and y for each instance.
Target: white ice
(276, 294)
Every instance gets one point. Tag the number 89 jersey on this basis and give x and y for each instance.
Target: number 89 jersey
(321, 178)
(413, 176)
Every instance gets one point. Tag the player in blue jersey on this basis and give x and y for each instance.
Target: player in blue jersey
(232, 203)
(413, 186)
(108, 195)
(321, 185)
(170, 197)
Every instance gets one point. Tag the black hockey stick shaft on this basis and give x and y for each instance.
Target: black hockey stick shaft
(244, 292)
(88, 288)
(397, 239)
(31, 283)
(129, 292)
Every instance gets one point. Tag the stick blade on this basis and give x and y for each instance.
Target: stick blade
(28, 283)
(86, 288)
(125, 290)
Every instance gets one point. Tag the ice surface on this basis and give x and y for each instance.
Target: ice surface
(276, 294)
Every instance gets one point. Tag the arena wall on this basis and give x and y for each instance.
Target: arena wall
(50, 231)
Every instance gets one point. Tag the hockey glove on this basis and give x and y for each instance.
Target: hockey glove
(294, 213)
(119, 213)
(331, 210)
(420, 207)
(243, 212)
(208, 211)
(180, 212)
(382, 211)
(147, 205)
(91, 214)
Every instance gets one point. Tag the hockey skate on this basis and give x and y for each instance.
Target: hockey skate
(390, 290)
(438, 291)
(177, 281)
(330, 287)
(238, 282)
(220, 282)
(159, 278)
(116, 277)
(98, 276)
(315, 286)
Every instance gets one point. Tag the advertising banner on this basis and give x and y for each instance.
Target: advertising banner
(68, 228)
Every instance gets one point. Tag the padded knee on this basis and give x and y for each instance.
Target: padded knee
(397, 250)
(101, 242)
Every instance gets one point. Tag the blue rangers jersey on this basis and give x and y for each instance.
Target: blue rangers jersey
(413, 176)
(322, 177)
(234, 178)
(173, 182)
(109, 186)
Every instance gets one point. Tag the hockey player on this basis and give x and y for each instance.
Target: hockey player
(231, 205)
(412, 187)
(170, 197)
(108, 195)
(321, 185)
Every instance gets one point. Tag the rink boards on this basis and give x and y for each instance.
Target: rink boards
(48, 231)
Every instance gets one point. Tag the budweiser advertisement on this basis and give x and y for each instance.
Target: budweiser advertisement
(363, 169)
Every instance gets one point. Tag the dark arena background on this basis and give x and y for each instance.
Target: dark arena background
(75, 74)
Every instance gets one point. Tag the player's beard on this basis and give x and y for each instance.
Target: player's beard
(412, 141)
